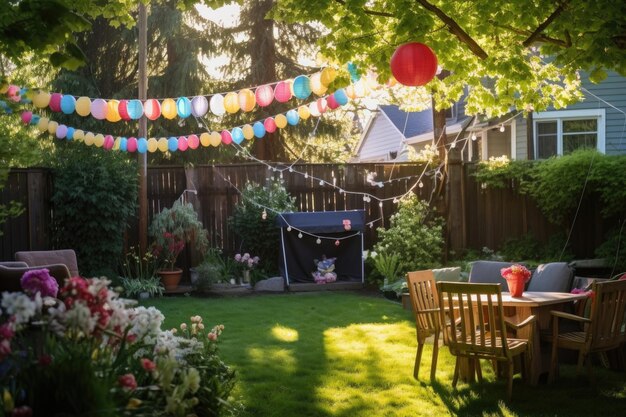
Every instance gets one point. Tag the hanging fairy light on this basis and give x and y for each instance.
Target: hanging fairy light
(473, 136)
(337, 242)
(501, 128)
(318, 241)
(264, 215)
(300, 235)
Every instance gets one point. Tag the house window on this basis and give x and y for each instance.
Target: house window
(451, 112)
(562, 132)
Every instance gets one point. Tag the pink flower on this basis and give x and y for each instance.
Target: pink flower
(148, 365)
(238, 257)
(128, 382)
(515, 270)
(212, 336)
(7, 331)
(39, 281)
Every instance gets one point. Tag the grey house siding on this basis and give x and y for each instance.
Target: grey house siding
(382, 138)
(521, 138)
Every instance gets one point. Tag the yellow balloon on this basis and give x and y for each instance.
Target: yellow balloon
(215, 139)
(99, 140)
(4, 87)
(316, 84)
(281, 121)
(83, 106)
(328, 76)
(113, 114)
(205, 139)
(89, 138)
(248, 132)
(231, 103)
(152, 145)
(162, 144)
(168, 108)
(79, 135)
(247, 101)
(116, 144)
(303, 112)
(42, 124)
(52, 127)
(30, 94)
(41, 99)
(351, 91)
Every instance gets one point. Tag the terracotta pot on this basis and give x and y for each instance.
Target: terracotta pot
(170, 279)
(516, 285)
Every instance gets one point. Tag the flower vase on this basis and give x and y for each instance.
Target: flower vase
(246, 277)
(170, 279)
(516, 284)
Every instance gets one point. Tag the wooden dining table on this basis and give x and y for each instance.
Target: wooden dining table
(517, 309)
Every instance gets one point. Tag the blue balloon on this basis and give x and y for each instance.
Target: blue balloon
(183, 107)
(258, 129)
(293, 117)
(237, 135)
(354, 72)
(142, 145)
(35, 119)
(341, 97)
(134, 109)
(70, 133)
(123, 143)
(68, 104)
(172, 144)
(301, 87)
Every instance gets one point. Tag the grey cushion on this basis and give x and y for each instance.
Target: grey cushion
(552, 277)
(488, 272)
(14, 264)
(447, 274)
(47, 257)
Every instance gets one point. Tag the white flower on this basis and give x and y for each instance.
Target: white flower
(146, 322)
(21, 306)
(79, 318)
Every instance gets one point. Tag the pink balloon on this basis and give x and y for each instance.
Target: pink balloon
(122, 109)
(264, 95)
(26, 117)
(322, 105)
(182, 143)
(151, 108)
(270, 125)
(282, 92)
(131, 144)
(193, 141)
(226, 137)
(108, 142)
(55, 102)
(98, 108)
(61, 131)
(332, 103)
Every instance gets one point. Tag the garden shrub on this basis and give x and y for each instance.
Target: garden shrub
(95, 194)
(257, 232)
(415, 236)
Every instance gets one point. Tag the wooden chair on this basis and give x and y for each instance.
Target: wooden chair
(423, 294)
(474, 327)
(603, 330)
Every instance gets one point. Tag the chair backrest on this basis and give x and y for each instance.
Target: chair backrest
(424, 300)
(48, 257)
(488, 272)
(552, 277)
(10, 276)
(472, 319)
(608, 315)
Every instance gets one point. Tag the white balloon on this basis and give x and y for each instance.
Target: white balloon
(199, 106)
(217, 105)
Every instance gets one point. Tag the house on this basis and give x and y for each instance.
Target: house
(598, 121)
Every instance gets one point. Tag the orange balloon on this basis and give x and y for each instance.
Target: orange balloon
(247, 100)
(281, 121)
(112, 111)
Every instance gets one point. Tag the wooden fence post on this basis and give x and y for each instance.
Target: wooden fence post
(455, 221)
(38, 210)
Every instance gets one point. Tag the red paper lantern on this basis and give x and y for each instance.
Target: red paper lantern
(270, 125)
(122, 109)
(413, 64)
(227, 139)
(332, 103)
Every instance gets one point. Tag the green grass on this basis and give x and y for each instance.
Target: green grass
(349, 355)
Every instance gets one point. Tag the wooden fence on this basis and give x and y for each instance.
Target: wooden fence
(490, 216)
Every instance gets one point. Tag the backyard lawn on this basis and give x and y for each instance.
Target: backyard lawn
(351, 354)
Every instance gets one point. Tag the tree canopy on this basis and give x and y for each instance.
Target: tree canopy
(524, 54)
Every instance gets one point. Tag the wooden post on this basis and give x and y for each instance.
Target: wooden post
(142, 82)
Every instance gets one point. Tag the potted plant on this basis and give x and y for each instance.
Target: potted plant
(246, 263)
(171, 230)
(138, 275)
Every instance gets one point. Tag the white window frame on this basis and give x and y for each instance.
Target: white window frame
(565, 115)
